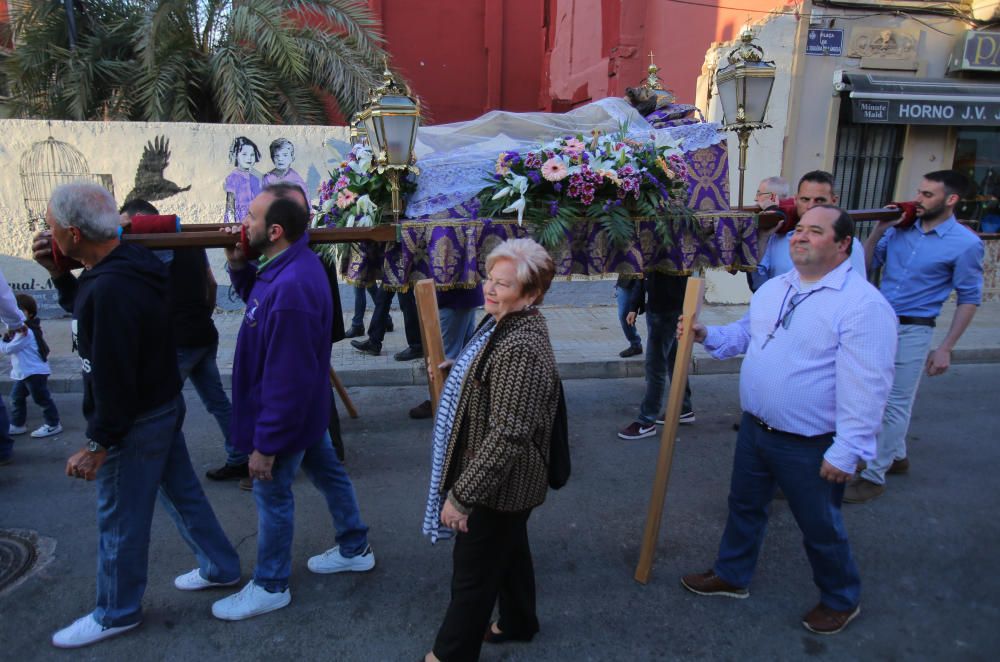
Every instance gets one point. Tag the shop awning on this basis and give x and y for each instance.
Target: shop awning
(888, 99)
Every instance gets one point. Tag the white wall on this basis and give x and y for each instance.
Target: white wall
(199, 158)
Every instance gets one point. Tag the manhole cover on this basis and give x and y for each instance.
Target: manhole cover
(18, 555)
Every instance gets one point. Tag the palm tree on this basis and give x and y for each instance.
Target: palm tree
(236, 61)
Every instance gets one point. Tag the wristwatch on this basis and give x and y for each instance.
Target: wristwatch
(94, 447)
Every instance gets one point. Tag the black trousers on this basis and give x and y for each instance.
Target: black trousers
(380, 317)
(491, 562)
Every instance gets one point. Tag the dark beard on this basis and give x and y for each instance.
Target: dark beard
(259, 244)
(933, 214)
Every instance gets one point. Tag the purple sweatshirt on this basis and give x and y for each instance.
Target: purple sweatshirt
(281, 387)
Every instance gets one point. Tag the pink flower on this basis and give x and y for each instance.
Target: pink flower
(574, 147)
(346, 198)
(554, 170)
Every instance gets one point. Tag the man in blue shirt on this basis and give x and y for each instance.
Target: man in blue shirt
(815, 188)
(812, 387)
(923, 264)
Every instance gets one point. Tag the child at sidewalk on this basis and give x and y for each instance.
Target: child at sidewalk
(30, 371)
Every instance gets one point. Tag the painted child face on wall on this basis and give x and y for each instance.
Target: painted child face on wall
(246, 157)
(283, 157)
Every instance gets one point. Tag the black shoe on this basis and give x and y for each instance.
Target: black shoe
(229, 472)
(389, 328)
(409, 354)
(631, 351)
(355, 332)
(367, 347)
(423, 410)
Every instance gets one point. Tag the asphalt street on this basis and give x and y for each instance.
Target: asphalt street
(926, 549)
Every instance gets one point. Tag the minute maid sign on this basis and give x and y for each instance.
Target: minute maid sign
(895, 111)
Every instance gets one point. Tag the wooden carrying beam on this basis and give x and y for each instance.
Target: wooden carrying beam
(430, 335)
(692, 306)
(770, 219)
(212, 236)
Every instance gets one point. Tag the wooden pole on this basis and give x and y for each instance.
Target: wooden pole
(212, 236)
(342, 392)
(430, 335)
(692, 306)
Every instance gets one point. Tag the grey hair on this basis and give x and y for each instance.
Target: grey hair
(533, 263)
(777, 185)
(86, 206)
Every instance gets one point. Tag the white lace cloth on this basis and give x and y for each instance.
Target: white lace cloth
(456, 160)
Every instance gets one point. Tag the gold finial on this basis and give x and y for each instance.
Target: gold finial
(652, 81)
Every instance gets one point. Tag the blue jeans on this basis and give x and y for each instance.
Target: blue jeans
(360, 304)
(38, 387)
(276, 511)
(911, 356)
(661, 352)
(457, 327)
(631, 334)
(6, 441)
(766, 460)
(199, 364)
(151, 460)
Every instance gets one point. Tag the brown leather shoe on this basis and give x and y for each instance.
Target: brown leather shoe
(423, 410)
(860, 490)
(709, 583)
(823, 620)
(899, 466)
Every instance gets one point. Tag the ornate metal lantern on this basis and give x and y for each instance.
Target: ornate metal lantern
(744, 90)
(390, 123)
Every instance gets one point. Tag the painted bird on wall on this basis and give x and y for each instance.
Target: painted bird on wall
(149, 181)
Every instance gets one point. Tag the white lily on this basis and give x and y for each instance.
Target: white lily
(365, 204)
(517, 206)
(518, 183)
(364, 222)
(502, 193)
(328, 204)
(349, 223)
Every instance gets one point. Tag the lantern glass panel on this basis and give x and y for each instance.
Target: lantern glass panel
(728, 97)
(398, 133)
(758, 91)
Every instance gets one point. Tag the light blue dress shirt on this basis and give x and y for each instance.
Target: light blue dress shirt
(827, 367)
(922, 268)
(777, 259)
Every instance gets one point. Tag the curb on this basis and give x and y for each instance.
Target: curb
(414, 375)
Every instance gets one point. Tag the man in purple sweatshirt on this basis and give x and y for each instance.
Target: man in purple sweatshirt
(281, 401)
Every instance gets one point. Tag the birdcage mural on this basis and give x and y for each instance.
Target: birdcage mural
(46, 165)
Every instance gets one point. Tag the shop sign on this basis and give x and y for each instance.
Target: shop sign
(976, 51)
(825, 42)
(945, 113)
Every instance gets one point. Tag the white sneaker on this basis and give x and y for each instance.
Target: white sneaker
(193, 581)
(332, 561)
(85, 631)
(47, 430)
(16, 429)
(253, 600)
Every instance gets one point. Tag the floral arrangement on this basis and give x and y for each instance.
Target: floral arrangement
(357, 192)
(606, 177)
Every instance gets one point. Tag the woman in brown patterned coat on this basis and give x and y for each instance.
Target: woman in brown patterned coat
(491, 439)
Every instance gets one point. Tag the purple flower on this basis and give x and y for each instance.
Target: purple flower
(534, 176)
(554, 208)
(557, 187)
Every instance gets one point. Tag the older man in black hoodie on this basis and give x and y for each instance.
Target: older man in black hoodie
(131, 400)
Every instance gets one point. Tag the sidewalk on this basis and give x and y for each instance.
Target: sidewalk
(586, 340)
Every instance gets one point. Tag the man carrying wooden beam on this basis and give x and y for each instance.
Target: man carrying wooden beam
(813, 386)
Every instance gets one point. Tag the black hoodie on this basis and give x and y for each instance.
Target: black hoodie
(125, 344)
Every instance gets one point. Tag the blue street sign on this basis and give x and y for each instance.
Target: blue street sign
(825, 42)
